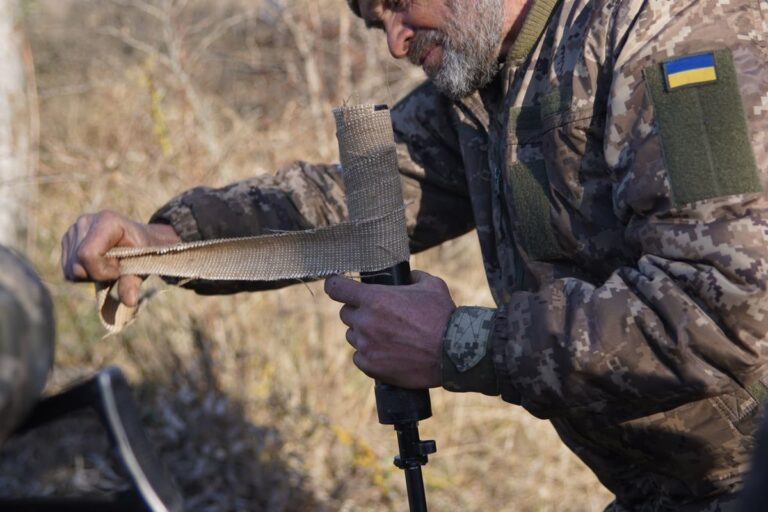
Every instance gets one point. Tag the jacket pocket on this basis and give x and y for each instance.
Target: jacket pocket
(742, 409)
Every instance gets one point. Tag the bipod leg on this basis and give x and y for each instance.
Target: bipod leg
(413, 454)
(403, 408)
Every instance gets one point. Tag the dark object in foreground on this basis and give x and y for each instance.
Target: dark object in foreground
(404, 408)
(108, 394)
(754, 496)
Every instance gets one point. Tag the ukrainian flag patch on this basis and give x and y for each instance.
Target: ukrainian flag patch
(690, 70)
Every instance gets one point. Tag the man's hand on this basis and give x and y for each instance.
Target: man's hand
(87, 241)
(396, 331)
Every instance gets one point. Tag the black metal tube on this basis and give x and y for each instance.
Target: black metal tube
(404, 408)
(411, 460)
(414, 485)
(398, 275)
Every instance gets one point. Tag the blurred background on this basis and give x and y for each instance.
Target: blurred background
(251, 400)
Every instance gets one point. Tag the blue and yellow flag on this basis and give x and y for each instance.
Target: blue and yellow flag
(690, 70)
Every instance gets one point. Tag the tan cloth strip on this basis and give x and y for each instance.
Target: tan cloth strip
(374, 238)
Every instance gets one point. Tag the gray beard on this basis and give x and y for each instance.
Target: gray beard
(470, 45)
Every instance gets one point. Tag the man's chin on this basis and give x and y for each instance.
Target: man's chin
(461, 85)
(453, 89)
(448, 86)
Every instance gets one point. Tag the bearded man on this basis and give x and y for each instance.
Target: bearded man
(612, 156)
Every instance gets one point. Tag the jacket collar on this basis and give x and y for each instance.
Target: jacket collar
(534, 25)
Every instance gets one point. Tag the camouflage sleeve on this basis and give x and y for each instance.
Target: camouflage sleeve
(303, 196)
(438, 207)
(298, 196)
(688, 319)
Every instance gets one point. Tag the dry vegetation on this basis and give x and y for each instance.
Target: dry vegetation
(252, 399)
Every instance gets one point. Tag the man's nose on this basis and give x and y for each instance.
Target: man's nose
(399, 36)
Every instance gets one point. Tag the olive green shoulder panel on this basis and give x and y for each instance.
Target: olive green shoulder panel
(703, 127)
(530, 192)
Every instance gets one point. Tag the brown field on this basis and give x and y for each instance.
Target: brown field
(251, 400)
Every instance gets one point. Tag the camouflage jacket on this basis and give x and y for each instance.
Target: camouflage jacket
(614, 173)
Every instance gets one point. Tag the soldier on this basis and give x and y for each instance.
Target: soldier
(612, 156)
(26, 339)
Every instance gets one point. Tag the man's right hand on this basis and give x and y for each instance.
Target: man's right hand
(86, 242)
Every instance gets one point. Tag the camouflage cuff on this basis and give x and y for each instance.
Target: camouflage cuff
(499, 344)
(467, 359)
(179, 216)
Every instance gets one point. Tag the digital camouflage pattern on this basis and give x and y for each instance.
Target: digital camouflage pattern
(467, 329)
(631, 317)
(26, 339)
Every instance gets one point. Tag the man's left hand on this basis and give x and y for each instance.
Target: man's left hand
(397, 331)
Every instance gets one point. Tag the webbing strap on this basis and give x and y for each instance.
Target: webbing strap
(374, 238)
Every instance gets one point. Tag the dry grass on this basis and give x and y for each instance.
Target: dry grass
(252, 399)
